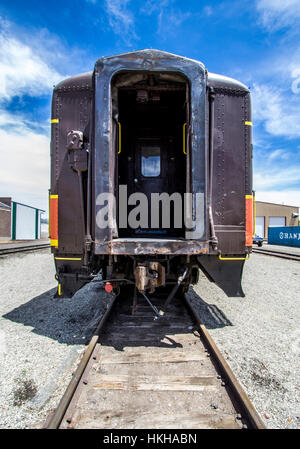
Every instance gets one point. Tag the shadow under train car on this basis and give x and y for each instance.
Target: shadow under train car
(69, 321)
(210, 314)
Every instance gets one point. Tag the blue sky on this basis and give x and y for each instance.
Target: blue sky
(255, 42)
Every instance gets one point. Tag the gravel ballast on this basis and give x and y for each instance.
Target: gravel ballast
(259, 335)
(42, 338)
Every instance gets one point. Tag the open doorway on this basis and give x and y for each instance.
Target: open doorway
(151, 116)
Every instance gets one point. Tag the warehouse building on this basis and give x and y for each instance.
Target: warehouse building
(274, 215)
(19, 221)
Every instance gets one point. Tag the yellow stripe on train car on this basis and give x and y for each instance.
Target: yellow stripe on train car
(234, 258)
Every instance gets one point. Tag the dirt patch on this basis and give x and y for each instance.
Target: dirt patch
(25, 390)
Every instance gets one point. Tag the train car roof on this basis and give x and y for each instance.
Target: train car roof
(84, 80)
(81, 81)
(150, 52)
(221, 81)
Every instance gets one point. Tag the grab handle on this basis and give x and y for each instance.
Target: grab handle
(183, 138)
(119, 138)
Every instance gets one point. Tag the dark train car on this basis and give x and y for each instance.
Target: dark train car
(151, 175)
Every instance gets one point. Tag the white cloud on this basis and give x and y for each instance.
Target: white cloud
(168, 18)
(121, 19)
(279, 112)
(279, 154)
(208, 11)
(276, 177)
(287, 197)
(25, 149)
(155, 5)
(276, 14)
(22, 71)
(294, 69)
(25, 162)
(19, 123)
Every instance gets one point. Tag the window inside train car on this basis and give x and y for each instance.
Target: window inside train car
(150, 156)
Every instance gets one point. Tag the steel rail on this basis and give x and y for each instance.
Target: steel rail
(60, 411)
(21, 249)
(267, 252)
(239, 394)
(239, 397)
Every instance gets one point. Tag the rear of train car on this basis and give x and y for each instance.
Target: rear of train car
(151, 175)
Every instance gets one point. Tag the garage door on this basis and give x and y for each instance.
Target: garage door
(260, 226)
(276, 221)
(25, 222)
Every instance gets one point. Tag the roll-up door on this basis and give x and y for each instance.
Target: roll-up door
(276, 221)
(25, 222)
(260, 226)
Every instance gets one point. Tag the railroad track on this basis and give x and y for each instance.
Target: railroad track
(21, 249)
(138, 372)
(290, 256)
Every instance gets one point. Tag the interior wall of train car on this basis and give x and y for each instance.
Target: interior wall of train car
(150, 115)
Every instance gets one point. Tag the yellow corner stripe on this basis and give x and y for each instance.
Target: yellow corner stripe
(55, 120)
(68, 258)
(53, 196)
(249, 196)
(249, 123)
(53, 242)
(59, 289)
(234, 258)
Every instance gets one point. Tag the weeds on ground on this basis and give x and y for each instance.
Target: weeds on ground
(26, 389)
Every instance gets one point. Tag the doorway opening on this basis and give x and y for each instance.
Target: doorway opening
(151, 120)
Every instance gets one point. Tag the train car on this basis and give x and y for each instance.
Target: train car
(151, 175)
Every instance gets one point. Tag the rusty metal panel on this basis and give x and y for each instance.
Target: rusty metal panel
(71, 110)
(232, 175)
(152, 247)
(232, 239)
(104, 161)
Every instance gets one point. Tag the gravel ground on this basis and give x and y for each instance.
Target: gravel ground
(41, 337)
(280, 248)
(259, 335)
